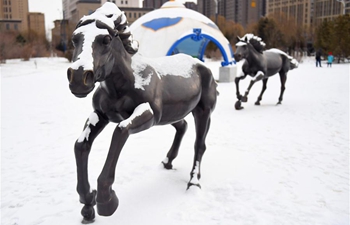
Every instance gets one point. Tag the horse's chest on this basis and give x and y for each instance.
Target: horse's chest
(117, 110)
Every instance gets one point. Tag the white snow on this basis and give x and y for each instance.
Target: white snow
(241, 43)
(249, 36)
(265, 165)
(139, 110)
(93, 120)
(85, 59)
(163, 66)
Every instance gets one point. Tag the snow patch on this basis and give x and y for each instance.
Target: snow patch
(92, 120)
(163, 66)
(139, 110)
(195, 172)
(166, 160)
(246, 38)
(241, 43)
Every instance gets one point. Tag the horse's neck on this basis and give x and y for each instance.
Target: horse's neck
(254, 57)
(121, 75)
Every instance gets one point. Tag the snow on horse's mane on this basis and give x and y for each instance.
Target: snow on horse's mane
(107, 13)
(249, 37)
(256, 41)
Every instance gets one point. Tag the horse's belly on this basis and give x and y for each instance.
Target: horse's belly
(178, 101)
(175, 112)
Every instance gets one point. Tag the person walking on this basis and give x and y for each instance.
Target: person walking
(318, 58)
(330, 59)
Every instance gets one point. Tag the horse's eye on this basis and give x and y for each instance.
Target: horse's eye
(107, 39)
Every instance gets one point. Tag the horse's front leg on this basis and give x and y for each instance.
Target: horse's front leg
(93, 126)
(141, 119)
(238, 94)
(259, 76)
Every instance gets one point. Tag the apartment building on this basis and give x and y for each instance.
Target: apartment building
(308, 12)
(14, 15)
(124, 3)
(36, 22)
(155, 4)
(328, 10)
(299, 10)
(244, 12)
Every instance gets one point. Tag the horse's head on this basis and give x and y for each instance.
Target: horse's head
(246, 44)
(95, 40)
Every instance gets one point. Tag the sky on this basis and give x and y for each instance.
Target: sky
(52, 10)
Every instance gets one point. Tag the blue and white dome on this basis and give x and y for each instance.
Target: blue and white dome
(175, 29)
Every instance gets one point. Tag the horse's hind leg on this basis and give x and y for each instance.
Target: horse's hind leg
(201, 114)
(202, 123)
(262, 92)
(283, 77)
(93, 126)
(181, 128)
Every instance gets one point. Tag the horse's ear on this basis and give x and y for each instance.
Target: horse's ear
(101, 25)
(238, 39)
(246, 39)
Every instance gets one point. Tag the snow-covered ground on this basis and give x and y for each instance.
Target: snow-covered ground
(264, 165)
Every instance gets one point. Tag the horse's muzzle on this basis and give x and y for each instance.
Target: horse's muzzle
(81, 82)
(237, 57)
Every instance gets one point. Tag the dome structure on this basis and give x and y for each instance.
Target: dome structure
(174, 29)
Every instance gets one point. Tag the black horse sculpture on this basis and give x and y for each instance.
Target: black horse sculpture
(260, 65)
(136, 93)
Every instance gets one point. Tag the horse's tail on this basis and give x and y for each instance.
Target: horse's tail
(293, 63)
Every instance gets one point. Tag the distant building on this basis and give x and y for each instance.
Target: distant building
(244, 12)
(133, 13)
(307, 12)
(36, 22)
(61, 33)
(14, 15)
(72, 9)
(82, 8)
(124, 3)
(328, 10)
(155, 4)
(301, 10)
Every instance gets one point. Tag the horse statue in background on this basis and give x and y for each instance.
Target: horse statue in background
(136, 93)
(260, 65)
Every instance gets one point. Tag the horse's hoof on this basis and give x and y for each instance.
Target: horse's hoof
(88, 213)
(279, 103)
(191, 184)
(167, 166)
(109, 207)
(244, 99)
(257, 103)
(238, 105)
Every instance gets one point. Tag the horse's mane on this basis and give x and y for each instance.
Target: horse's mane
(255, 41)
(111, 18)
